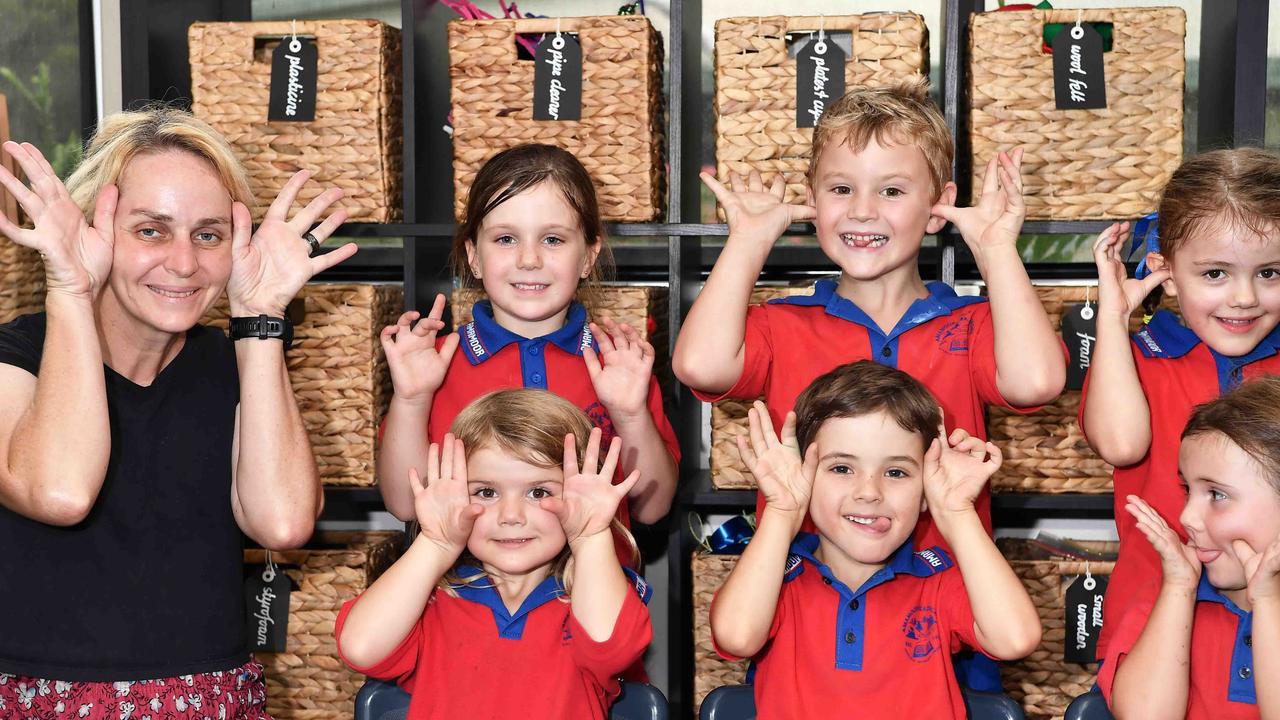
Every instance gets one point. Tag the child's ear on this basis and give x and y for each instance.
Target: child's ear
(947, 197)
(593, 252)
(472, 261)
(1157, 262)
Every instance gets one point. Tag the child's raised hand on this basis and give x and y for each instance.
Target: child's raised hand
(756, 212)
(997, 218)
(1119, 294)
(785, 480)
(589, 500)
(1178, 561)
(1262, 569)
(621, 382)
(417, 367)
(443, 506)
(956, 469)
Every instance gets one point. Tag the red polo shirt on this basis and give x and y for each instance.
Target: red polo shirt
(883, 650)
(490, 357)
(1221, 656)
(469, 657)
(944, 340)
(1177, 372)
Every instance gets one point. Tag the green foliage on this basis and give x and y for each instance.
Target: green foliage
(40, 76)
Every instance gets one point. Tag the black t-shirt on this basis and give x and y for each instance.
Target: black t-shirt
(150, 584)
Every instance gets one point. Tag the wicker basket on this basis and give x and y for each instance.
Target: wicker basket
(339, 373)
(729, 417)
(1080, 164)
(710, 671)
(308, 681)
(756, 85)
(355, 142)
(1044, 682)
(618, 139)
(21, 271)
(1046, 452)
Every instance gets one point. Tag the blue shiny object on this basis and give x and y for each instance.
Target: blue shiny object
(1145, 230)
(731, 537)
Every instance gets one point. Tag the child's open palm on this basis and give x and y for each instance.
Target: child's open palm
(1262, 569)
(1180, 565)
(417, 367)
(443, 506)
(589, 500)
(754, 211)
(1119, 294)
(785, 480)
(956, 469)
(620, 373)
(997, 218)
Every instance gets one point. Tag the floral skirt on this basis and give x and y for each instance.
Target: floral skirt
(236, 694)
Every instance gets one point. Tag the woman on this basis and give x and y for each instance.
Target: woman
(137, 445)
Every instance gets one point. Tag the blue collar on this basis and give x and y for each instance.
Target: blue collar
(510, 625)
(942, 300)
(904, 561)
(1240, 687)
(483, 337)
(1166, 337)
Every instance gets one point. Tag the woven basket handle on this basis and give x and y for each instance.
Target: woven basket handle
(279, 30)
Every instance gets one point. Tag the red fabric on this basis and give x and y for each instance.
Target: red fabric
(236, 694)
(953, 355)
(455, 664)
(1173, 387)
(797, 675)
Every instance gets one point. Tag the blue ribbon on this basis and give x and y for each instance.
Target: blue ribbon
(1145, 230)
(731, 537)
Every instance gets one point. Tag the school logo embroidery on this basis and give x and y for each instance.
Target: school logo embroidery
(1150, 342)
(930, 557)
(599, 417)
(566, 635)
(954, 336)
(587, 337)
(473, 341)
(921, 638)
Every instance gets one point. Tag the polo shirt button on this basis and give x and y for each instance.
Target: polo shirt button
(850, 638)
(534, 349)
(887, 351)
(1248, 641)
(537, 377)
(826, 580)
(1245, 673)
(853, 604)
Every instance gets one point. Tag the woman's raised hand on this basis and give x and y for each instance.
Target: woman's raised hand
(77, 256)
(271, 266)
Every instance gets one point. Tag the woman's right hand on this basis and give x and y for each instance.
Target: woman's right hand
(1118, 294)
(77, 256)
(417, 367)
(443, 506)
(1178, 561)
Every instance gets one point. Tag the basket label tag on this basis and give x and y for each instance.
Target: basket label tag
(1079, 82)
(1084, 617)
(266, 599)
(557, 78)
(819, 79)
(1080, 333)
(293, 80)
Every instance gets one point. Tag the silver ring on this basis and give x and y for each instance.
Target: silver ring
(312, 242)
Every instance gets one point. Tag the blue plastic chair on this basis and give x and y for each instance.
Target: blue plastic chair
(378, 700)
(1089, 706)
(737, 702)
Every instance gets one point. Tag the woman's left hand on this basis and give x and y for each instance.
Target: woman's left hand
(269, 268)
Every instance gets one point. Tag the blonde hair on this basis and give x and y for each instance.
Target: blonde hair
(900, 114)
(531, 425)
(155, 129)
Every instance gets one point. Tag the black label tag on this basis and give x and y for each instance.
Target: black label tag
(557, 78)
(819, 79)
(293, 80)
(1079, 82)
(1079, 332)
(266, 600)
(1084, 617)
